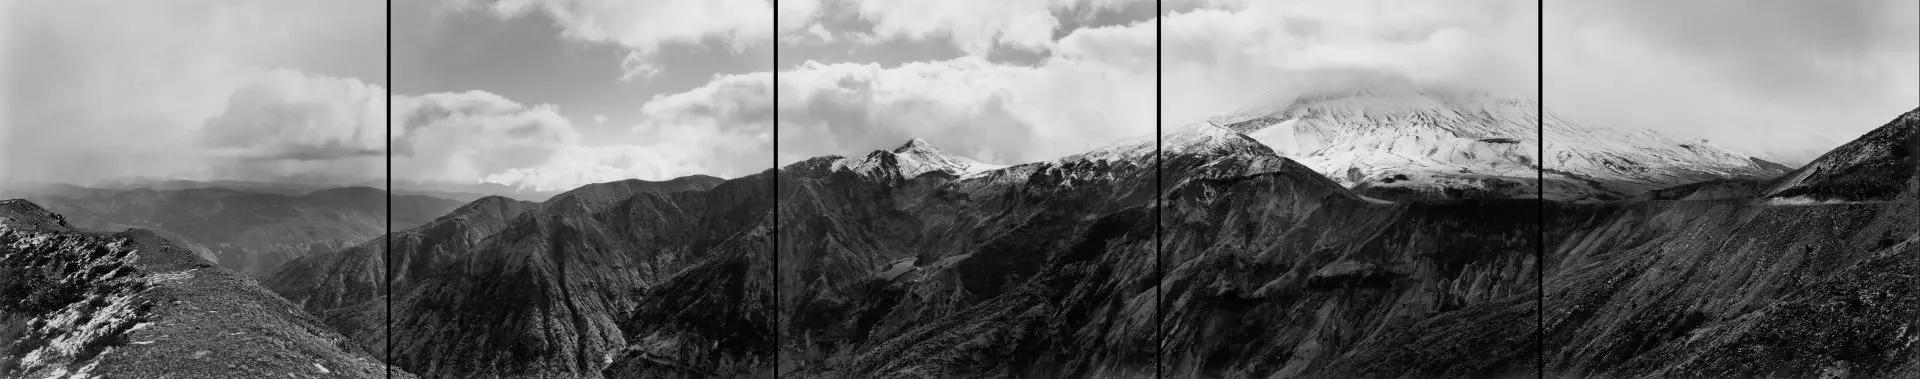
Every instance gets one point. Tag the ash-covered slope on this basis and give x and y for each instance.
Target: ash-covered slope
(557, 292)
(132, 304)
(249, 232)
(1403, 141)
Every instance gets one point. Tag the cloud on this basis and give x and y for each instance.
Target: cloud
(643, 27)
(463, 136)
(1224, 55)
(721, 128)
(287, 115)
(109, 89)
(976, 28)
(1096, 89)
(1787, 79)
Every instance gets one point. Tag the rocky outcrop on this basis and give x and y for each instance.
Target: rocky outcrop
(132, 304)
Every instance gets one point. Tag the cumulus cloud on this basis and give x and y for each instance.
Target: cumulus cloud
(1096, 89)
(1224, 55)
(721, 129)
(287, 115)
(973, 27)
(644, 26)
(110, 89)
(461, 136)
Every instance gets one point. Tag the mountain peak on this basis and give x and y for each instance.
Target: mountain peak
(917, 157)
(915, 144)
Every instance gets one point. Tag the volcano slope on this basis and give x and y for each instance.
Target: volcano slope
(132, 304)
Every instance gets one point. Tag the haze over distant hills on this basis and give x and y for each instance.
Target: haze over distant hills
(250, 232)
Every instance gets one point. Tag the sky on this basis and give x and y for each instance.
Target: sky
(1220, 56)
(210, 89)
(1003, 82)
(555, 94)
(1781, 79)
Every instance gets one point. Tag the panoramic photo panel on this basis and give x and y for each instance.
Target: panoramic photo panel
(611, 166)
(965, 188)
(1350, 189)
(162, 161)
(1733, 188)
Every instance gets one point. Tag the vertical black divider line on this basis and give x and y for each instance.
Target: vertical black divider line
(387, 239)
(774, 304)
(1540, 186)
(1159, 277)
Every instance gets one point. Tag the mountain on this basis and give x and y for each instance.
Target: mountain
(1866, 169)
(473, 191)
(249, 232)
(1728, 286)
(619, 275)
(344, 286)
(132, 304)
(1405, 141)
(1205, 252)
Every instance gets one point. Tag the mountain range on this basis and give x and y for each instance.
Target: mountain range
(1437, 143)
(1375, 233)
(252, 233)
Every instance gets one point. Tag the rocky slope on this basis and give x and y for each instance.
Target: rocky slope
(1267, 269)
(132, 304)
(625, 276)
(348, 287)
(1206, 252)
(249, 232)
(1734, 287)
(1398, 140)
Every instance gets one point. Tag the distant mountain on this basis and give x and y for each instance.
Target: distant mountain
(249, 232)
(1423, 142)
(467, 191)
(131, 304)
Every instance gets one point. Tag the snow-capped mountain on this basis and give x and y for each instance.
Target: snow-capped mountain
(912, 159)
(1406, 141)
